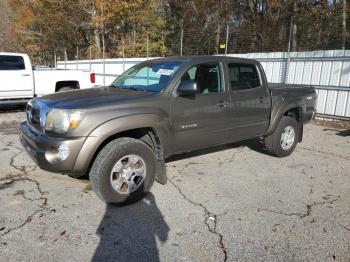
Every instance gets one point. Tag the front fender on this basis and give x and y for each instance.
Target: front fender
(122, 124)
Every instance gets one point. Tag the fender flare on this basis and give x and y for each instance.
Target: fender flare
(276, 117)
(117, 125)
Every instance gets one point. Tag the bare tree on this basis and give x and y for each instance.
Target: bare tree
(344, 36)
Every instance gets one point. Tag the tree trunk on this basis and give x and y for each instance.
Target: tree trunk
(294, 46)
(295, 31)
(97, 37)
(344, 36)
(97, 41)
(253, 20)
(217, 41)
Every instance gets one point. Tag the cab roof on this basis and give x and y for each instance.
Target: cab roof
(200, 58)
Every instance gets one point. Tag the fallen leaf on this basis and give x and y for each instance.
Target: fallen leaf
(87, 189)
(275, 227)
(18, 192)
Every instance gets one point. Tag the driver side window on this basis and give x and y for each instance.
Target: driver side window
(207, 76)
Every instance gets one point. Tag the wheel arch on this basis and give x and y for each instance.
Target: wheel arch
(69, 83)
(144, 127)
(294, 111)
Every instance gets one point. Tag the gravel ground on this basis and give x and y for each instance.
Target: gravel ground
(233, 203)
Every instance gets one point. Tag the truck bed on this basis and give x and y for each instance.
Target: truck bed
(281, 85)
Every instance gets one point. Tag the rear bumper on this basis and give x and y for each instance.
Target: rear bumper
(41, 148)
(313, 115)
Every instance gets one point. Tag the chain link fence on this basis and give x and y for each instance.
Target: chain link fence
(299, 33)
(304, 50)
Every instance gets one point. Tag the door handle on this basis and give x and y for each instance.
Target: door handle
(262, 99)
(25, 74)
(222, 104)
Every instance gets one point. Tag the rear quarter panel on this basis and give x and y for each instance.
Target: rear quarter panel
(286, 98)
(45, 79)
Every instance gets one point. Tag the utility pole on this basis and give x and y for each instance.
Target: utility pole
(90, 54)
(65, 58)
(103, 59)
(291, 26)
(103, 47)
(147, 47)
(227, 29)
(54, 59)
(123, 50)
(181, 40)
(77, 58)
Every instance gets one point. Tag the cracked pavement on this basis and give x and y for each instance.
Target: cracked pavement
(232, 203)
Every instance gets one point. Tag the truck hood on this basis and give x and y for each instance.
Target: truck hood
(93, 97)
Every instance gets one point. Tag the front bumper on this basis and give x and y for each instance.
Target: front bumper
(38, 146)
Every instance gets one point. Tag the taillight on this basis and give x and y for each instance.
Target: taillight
(92, 78)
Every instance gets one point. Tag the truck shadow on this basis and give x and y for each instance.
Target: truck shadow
(253, 144)
(130, 233)
(257, 145)
(11, 108)
(343, 133)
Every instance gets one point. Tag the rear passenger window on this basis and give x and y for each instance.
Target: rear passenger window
(243, 76)
(11, 62)
(207, 76)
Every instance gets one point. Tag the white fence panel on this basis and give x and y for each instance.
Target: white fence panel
(106, 71)
(345, 74)
(341, 103)
(316, 73)
(307, 73)
(327, 70)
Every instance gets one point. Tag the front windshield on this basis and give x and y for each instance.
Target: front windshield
(149, 77)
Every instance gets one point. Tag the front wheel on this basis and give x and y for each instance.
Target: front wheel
(123, 171)
(285, 138)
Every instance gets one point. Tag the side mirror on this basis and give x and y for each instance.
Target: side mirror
(188, 88)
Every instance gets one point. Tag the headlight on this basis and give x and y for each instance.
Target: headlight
(61, 120)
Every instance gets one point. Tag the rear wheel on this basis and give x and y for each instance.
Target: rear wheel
(285, 138)
(124, 171)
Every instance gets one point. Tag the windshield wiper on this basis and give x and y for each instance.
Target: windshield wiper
(130, 87)
(134, 88)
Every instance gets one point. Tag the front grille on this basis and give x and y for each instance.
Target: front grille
(33, 116)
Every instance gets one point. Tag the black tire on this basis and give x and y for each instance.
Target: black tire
(65, 88)
(273, 142)
(101, 169)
